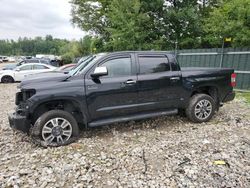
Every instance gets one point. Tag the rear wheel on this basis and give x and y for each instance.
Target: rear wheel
(7, 79)
(55, 128)
(201, 108)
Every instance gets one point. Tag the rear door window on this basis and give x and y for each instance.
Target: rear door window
(32, 61)
(44, 61)
(39, 67)
(153, 64)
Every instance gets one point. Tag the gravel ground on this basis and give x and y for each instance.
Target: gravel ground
(162, 152)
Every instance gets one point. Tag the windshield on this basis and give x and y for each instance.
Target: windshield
(82, 59)
(81, 65)
(89, 61)
(20, 63)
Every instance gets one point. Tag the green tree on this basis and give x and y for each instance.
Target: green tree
(126, 29)
(230, 19)
(90, 15)
(86, 45)
(143, 24)
(119, 25)
(39, 45)
(181, 23)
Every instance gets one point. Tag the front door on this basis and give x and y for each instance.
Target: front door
(115, 94)
(22, 71)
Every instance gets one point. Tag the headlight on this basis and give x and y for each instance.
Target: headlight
(24, 95)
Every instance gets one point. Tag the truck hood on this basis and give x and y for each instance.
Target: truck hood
(43, 78)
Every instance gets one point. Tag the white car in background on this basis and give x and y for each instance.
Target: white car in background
(20, 72)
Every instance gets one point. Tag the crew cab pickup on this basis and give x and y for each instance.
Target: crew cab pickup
(117, 87)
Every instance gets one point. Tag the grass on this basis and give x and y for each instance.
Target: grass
(246, 95)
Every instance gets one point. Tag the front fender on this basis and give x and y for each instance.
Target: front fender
(35, 101)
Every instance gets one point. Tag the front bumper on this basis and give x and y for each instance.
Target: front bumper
(19, 122)
(229, 97)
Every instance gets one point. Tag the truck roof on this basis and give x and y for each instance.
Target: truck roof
(143, 52)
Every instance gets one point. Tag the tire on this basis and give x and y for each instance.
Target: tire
(51, 127)
(201, 108)
(7, 79)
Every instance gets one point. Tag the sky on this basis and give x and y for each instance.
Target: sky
(31, 18)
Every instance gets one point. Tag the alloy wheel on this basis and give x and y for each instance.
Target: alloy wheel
(57, 130)
(203, 109)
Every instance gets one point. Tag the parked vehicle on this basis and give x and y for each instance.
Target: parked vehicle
(3, 59)
(20, 72)
(36, 60)
(66, 68)
(117, 87)
(53, 75)
(11, 59)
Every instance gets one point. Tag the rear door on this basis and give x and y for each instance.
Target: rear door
(115, 94)
(158, 84)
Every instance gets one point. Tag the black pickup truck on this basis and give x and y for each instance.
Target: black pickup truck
(117, 87)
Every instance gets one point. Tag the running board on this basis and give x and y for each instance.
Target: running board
(131, 117)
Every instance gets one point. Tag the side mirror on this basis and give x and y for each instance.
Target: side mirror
(100, 71)
(17, 69)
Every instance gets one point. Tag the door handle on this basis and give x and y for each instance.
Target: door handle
(175, 78)
(130, 82)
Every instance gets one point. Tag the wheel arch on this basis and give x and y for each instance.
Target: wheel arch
(8, 75)
(212, 91)
(67, 104)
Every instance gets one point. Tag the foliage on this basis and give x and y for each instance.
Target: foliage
(29, 47)
(230, 19)
(48, 45)
(147, 24)
(245, 95)
(129, 22)
(144, 25)
(159, 24)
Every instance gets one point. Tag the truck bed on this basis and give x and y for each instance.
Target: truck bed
(201, 71)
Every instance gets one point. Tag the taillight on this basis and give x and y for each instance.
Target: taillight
(233, 80)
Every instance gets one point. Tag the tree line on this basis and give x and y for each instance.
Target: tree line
(163, 24)
(144, 25)
(45, 45)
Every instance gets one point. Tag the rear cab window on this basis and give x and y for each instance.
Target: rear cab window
(32, 61)
(153, 64)
(44, 61)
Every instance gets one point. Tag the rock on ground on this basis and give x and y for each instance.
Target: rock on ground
(161, 152)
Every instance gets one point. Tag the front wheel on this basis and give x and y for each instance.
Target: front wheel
(201, 108)
(55, 128)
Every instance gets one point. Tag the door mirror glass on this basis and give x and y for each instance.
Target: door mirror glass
(100, 71)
